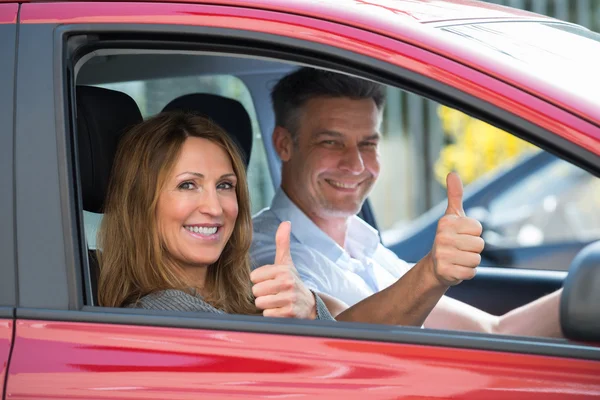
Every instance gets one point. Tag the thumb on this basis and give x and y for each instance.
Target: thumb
(282, 243)
(455, 195)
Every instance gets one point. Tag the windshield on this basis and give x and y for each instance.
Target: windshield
(568, 56)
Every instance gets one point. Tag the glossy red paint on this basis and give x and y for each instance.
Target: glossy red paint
(416, 58)
(416, 10)
(58, 360)
(6, 333)
(8, 13)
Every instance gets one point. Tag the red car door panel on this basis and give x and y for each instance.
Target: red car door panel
(8, 13)
(59, 360)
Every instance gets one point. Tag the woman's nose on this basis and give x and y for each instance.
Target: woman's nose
(210, 203)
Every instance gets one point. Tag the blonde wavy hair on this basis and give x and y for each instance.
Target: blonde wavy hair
(133, 260)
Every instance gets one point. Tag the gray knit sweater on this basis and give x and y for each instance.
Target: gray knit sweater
(177, 300)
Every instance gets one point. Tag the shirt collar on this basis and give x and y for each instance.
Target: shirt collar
(361, 239)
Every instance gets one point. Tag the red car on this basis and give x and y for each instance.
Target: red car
(532, 76)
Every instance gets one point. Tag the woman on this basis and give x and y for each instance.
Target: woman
(177, 228)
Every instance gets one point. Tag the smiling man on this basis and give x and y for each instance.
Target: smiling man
(327, 136)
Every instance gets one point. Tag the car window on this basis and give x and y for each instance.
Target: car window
(422, 142)
(524, 197)
(152, 95)
(557, 204)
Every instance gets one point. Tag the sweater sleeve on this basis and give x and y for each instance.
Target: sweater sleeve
(322, 310)
(174, 300)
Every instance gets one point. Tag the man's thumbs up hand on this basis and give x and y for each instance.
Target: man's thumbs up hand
(454, 188)
(283, 254)
(278, 289)
(457, 246)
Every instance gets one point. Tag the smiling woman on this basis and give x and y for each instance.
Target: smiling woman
(177, 226)
(174, 180)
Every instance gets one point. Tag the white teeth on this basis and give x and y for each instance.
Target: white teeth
(202, 230)
(342, 185)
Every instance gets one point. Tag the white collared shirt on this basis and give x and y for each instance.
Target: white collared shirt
(350, 274)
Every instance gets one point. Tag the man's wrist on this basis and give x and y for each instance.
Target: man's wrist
(430, 278)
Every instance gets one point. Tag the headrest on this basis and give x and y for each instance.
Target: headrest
(102, 117)
(229, 114)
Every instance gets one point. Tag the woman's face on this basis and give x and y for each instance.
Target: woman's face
(197, 208)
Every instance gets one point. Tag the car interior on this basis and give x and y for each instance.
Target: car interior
(104, 113)
(98, 133)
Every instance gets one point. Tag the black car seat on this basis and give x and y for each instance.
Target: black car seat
(102, 117)
(229, 114)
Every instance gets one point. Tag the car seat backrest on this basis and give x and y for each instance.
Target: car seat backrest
(229, 114)
(103, 116)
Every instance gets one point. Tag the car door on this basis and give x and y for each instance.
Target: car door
(65, 348)
(8, 36)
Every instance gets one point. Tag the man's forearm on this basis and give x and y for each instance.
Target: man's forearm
(407, 302)
(538, 318)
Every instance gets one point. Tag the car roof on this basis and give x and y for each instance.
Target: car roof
(423, 11)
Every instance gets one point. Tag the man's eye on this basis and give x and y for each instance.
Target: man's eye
(329, 142)
(369, 144)
(187, 185)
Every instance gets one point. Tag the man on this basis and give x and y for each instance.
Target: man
(327, 136)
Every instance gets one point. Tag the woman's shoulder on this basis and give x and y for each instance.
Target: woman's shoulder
(173, 300)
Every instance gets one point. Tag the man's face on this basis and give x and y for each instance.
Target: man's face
(335, 160)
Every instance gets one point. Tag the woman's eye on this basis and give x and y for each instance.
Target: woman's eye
(225, 186)
(187, 185)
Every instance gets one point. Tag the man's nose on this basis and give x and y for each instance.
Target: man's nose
(210, 203)
(352, 160)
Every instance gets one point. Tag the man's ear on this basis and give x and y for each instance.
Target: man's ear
(283, 143)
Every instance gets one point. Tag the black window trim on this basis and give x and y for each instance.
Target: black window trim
(7, 312)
